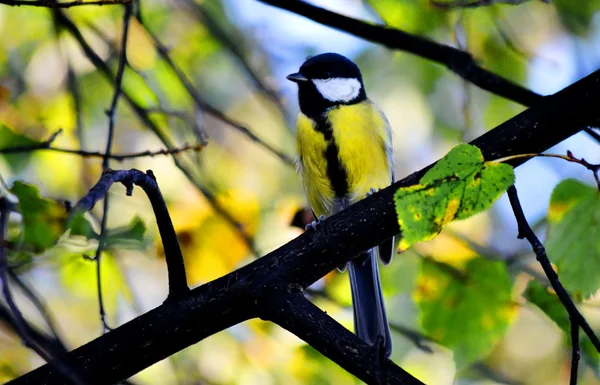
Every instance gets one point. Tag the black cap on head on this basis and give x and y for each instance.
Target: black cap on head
(330, 65)
(325, 81)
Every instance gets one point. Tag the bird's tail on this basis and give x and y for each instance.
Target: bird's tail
(370, 319)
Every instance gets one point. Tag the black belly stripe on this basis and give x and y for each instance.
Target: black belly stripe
(335, 170)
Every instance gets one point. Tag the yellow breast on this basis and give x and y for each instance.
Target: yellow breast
(361, 135)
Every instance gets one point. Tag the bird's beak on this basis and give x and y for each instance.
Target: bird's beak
(297, 77)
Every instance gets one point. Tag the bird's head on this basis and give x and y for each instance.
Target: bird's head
(327, 80)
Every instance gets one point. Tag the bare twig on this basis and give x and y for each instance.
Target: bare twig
(209, 21)
(176, 269)
(67, 4)
(41, 308)
(574, 351)
(540, 253)
(21, 325)
(594, 168)
(105, 161)
(47, 146)
(420, 340)
(476, 3)
(460, 62)
(590, 131)
(205, 106)
(103, 68)
(301, 317)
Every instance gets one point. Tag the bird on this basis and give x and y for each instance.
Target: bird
(344, 154)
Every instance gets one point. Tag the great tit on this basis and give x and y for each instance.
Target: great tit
(344, 148)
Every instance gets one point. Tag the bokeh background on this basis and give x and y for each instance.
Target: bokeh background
(236, 54)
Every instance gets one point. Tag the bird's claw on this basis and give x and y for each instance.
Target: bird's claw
(314, 224)
(371, 192)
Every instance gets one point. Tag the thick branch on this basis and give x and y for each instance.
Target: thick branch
(301, 317)
(176, 269)
(458, 61)
(233, 298)
(67, 23)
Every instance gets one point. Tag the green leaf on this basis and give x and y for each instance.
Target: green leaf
(468, 311)
(549, 303)
(79, 225)
(10, 139)
(573, 243)
(125, 235)
(460, 185)
(43, 219)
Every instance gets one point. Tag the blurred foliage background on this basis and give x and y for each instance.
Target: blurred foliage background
(458, 304)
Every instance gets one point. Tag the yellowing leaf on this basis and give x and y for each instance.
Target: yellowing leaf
(140, 49)
(211, 246)
(78, 275)
(573, 243)
(460, 185)
(466, 310)
(565, 195)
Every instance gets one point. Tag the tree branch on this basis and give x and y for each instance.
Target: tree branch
(526, 232)
(205, 106)
(47, 145)
(476, 3)
(301, 317)
(244, 293)
(67, 4)
(47, 352)
(460, 62)
(177, 279)
(456, 60)
(64, 21)
(576, 319)
(106, 159)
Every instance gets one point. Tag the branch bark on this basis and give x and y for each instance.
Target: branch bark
(253, 290)
(456, 60)
(176, 270)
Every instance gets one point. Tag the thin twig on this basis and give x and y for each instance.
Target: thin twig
(540, 253)
(210, 22)
(103, 68)
(594, 168)
(590, 131)
(176, 269)
(460, 62)
(68, 4)
(574, 351)
(47, 146)
(41, 308)
(21, 325)
(420, 340)
(163, 51)
(474, 3)
(105, 161)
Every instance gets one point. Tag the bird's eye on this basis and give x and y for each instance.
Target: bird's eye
(326, 75)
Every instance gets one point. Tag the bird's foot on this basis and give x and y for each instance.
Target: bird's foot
(372, 191)
(314, 224)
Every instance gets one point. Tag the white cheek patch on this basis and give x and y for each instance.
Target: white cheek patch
(338, 89)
